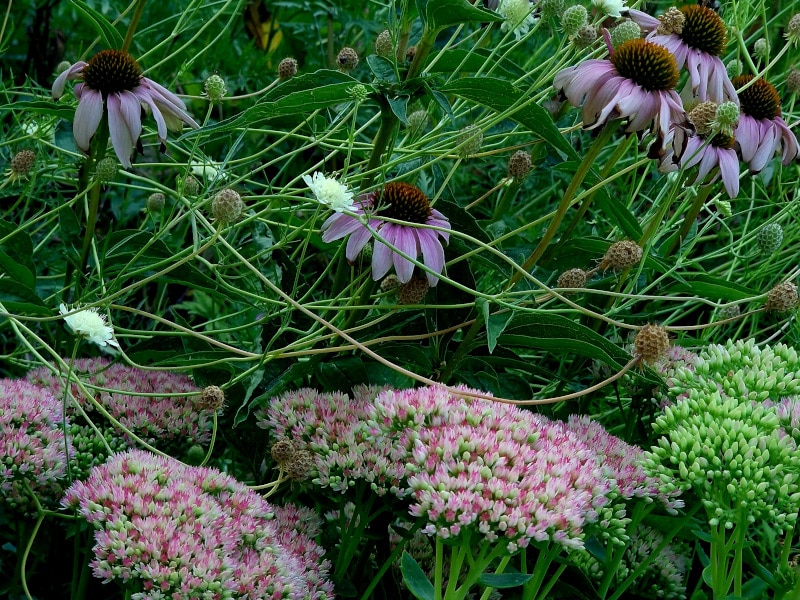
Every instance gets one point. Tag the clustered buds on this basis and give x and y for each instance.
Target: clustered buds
(624, 32)
(519, 165)
(22, 162)
(573, 278)
(287, 68)
(573, 18)
(770, 237)
(293, 458)
(227, 206)
(155, 202)
(621, 255)
(651, 343)
(782, 297)
(414, 291)
(761, 49)
(347, 59)
(793, 29)
(215, 88)
(671, 22)
(383, 44)
(106, 170)
(211, 398)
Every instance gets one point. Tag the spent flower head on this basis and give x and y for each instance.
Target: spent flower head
(330, 192)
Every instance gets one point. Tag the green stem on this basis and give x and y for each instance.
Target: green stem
(390, 560)
(697, 205)
(461, 351)
(379, 145)
(421, 55)
(137, 15)
(566, 201)
(531, 589)
(505, 200)
(26, 553)
(213, 440)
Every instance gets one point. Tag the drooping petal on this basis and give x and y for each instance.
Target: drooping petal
(338, 226)
(73, 72)
(729, 168)
(161, 125)
(709, 160)
(168, 97)
(381, 259)
(766, 148)
(121, 138)
(356, 242)
(746, 135)
(432, 254)
(87, 118)
(132, 113)
(790, 147)
(647, 22)
(405, 239)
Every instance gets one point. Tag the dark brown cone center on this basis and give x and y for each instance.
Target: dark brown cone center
(760, 100)
(111, 71)
(649, 65)
(703, 30)
(404, 202)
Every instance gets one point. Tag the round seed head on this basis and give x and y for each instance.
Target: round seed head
(283, 451)
(621, 255)
(770, 237)
(793, 81)
(347, 59)
(671, 22)
(215, 88)
(782, 297)
(191, 187)
(651, 342)
(300, 465)
(573, 278)
(389, 283)
(106, 170)
(287, 68)
(211, 398)
(585, 37)
(22, 162)
(573, 18)
(729, 312)
(625, 31)
(761, 49)
(519, 165)
(155, 202)
(793, 29)
(702, 117)
(551, 8)
(414, 291)
(727, 116)
(734, 68)
(418, 121)
(470, 139)
(383, 44)
(227, 206)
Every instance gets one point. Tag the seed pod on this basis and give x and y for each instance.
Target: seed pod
(651, 343)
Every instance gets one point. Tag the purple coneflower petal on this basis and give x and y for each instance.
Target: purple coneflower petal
(167, 97)
(766, 148)
(747, 137)
(87, 118)
(729, 168)
(131, 111)
(381, 259)
(432, 253)
(121, 136)
(161, 125)
(61, 81)
(790, 147)
(709, 158)
(357, 241)
(405, 240)
(647, 22)
(338, 226)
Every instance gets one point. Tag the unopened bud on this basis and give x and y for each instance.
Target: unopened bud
(573, 18)
(155, 202)
(383, 44)
(227, 206)
(215, 88)
(106, 170)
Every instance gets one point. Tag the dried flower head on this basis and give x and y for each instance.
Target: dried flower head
(22, 163)
(413, 291)
(383, 44)
(621, 255)
(793, 81)
(390, 283)
(287, 68)
(300, 465)
(519, 165)
(411, 52)
(347, 59)
(782, 297)
(211, 398)
(671, 22)
(227, 206)
(584, 37)
(651, 343)
(702, 117)
(793, 30)
(572, 278)
(283, 450)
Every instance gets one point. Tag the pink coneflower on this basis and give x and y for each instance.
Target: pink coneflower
(636, 83)
(762, 131)
(113, 85)
(696, 36)
(404, 202)
(713, 153)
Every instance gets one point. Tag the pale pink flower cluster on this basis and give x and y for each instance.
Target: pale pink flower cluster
(183, 532)
(511, 475)
(32, 446)
(623, 463)
(156, 420)
(334, 429)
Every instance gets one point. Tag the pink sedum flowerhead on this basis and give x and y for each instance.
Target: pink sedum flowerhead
(636, 83)
(32, 446)
(697, 37)
(404, 202)
(761, 131)
(185, 532)
(113, 85)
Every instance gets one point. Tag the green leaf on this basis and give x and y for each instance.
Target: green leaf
(16, 255)
(473, 60)
(298, 96)
(495, 325)
(500, 96)
(17, 298)
(441, 100)
(446, 13)
(415, 579)
(382, 68)
(111, 37)
(707, 286)
(45, 107)
(399, 107)
(341, 373)
(503, 581)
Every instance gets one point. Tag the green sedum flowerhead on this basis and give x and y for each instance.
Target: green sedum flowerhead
(723, 437)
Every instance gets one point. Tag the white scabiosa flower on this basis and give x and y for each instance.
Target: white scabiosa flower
(518, 15)
(91, 325)
(612, 8)
(330, 192)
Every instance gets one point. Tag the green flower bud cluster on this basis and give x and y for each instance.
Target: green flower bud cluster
(721, 440)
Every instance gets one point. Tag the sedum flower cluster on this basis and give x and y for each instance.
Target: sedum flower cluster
(184, 532)
(171, 422)
(725, 434)
(33, 451)
(469, 466)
